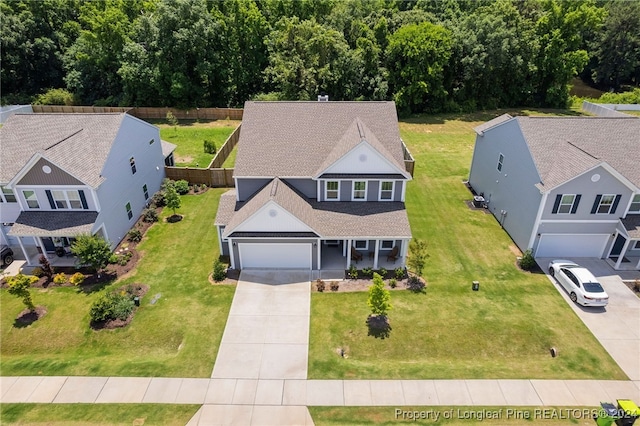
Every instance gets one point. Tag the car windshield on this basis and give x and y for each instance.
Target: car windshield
(593, 288)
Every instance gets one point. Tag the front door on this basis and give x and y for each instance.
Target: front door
(616, 250)
(48, 244)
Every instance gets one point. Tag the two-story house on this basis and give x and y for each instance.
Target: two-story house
(66, 174)
(318, 185)
(563, 186)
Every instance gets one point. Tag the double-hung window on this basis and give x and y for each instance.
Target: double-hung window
(606, 204)
(360, 190)
(8, 195)
(145, 190)
(132, 163)
(129, 211)
(386, 190)
(635, 204)
(75, 202)
(566, 203)
(361, 244)
(60, 200)
(500, 162)
(31, 199)
(386, 244)
(332, 190)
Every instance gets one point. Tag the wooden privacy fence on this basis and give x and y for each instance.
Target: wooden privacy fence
(149, 112)
(225, 149)
(216, 178)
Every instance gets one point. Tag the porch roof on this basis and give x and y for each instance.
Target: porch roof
(632, 224)
(53, 224)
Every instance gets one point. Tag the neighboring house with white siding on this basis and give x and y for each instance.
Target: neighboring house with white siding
(66, 174)
(563, 186)
(319, 185)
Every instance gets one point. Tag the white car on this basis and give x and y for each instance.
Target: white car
(582, 286)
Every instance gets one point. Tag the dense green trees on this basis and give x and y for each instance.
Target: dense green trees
(428, 55)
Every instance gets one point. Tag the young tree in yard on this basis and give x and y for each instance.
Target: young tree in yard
(92, 250)
(419, 255)
(19, 286)
(379, 297)
(172, 198)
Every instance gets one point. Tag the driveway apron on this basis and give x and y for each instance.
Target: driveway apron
(267, 332)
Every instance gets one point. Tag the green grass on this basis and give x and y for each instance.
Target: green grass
(96, 414)
(459, 415)
(176, 337)
(503, 331)
(190, 139)
(231, 159)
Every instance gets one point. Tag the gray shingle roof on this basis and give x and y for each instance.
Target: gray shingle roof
(328, 219)
(78, 143)
(53, 223)
(290, 139)
(632, 225)
(167, 148)
(564, 147)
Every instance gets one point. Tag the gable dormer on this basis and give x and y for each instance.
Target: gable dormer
(44, 172)
(360, 152)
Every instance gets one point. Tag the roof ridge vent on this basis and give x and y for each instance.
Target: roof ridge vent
(64, 139)
(360, 130)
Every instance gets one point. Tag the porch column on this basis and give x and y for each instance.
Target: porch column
(348, 256)
(375, 255)
(42, 247)
(622, 253)
(24, 250)
(319, 254)
(231, 254)
(404, 251)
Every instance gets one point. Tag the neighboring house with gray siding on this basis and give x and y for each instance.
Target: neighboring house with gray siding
(563, 186)
(66, 174)
(319, 185)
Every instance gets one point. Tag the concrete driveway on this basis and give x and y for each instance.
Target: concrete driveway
(617, 326)
(267, 332)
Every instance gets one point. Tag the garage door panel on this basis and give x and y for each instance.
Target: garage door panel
(572, 245)
(275, 255)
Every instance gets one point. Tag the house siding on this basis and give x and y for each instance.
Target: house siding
(583, 185)
(246, 187)
(397, 193)
(36, 176)
(307, 187)
(121, 185)
(511, 189)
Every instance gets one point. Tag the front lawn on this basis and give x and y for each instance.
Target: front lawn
(97, 414)
(505, 330)
(176, 337)
(190, 139)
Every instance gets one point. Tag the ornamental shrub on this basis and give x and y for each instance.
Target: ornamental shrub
(210, 147)
(76, 279)
(111, 306)
(19, 287)
(379, 297)
(134, 235)
(320, 285)
(151, 215)
(60, 278)
(182, 186)
(219, 271)
(527, 262)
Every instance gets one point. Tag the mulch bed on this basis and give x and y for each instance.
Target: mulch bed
(233, 275)
(139, 290)
(359, 284)
(27, 317)
(634, 286)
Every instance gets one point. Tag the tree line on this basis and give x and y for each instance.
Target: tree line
(427, 55)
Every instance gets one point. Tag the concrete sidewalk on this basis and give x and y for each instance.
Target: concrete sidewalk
(301, 393)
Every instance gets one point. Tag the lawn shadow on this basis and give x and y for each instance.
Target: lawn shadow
(93, 283)
(378, 326)
(27, 317)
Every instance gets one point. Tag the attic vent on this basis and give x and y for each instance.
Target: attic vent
(323, 98)
(274, 188)
(63, 139)
(360, 131)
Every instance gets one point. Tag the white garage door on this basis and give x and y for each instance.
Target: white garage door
(284, 256)
(571, 245)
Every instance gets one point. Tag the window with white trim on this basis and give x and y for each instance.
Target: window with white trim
(132, 163)
(129, 211)
(636, 246)
(635, 204)
(31, 198)
(606, 202)
(500, 162)
(566, 203)
(8, 195)
(361, 244)
(360, 190)
(386, 190)
(332, 190)
(60, 200)
(145, 191)
(386, 244)
(74, 199)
